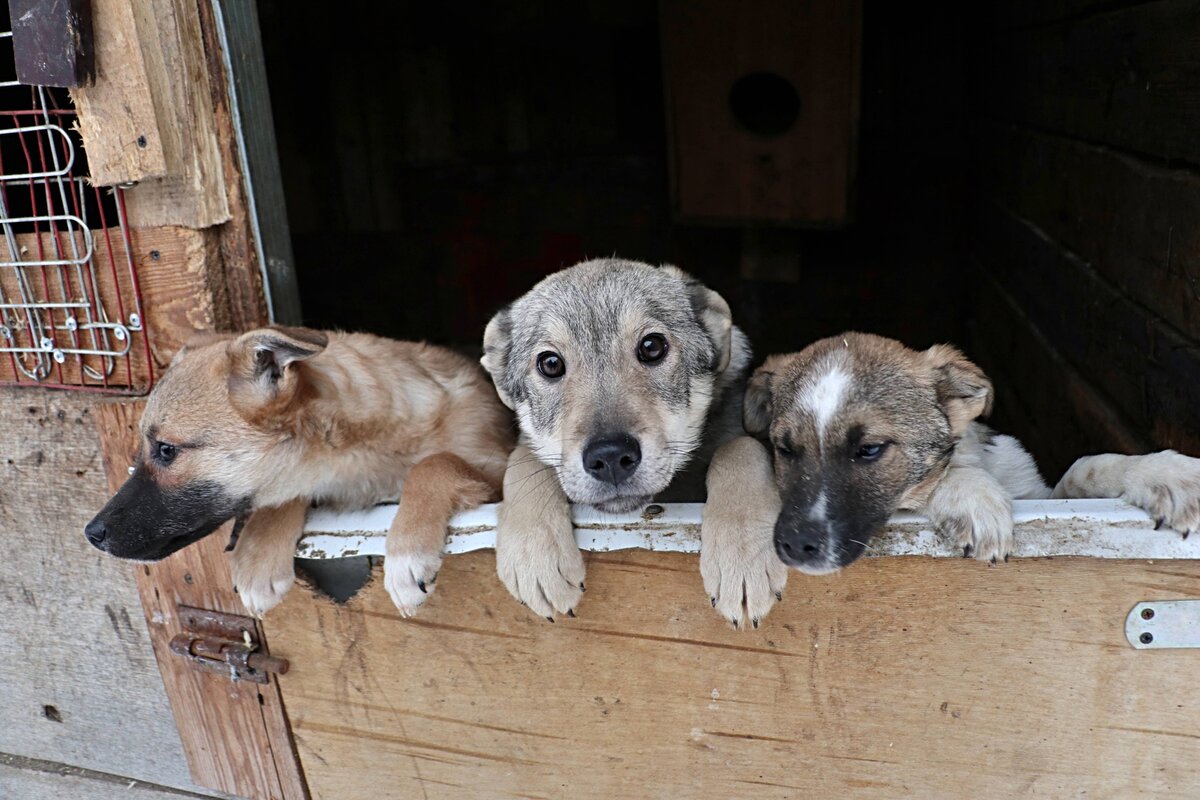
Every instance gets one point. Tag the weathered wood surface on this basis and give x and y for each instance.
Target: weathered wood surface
(173, 267)
(1149, 372)
(235, 735)
(28, 779)
(1136, 224)
(722, 171)
(1040, 398)
(898, 677)
(164, 136)
(1129, 78)
(72, 636)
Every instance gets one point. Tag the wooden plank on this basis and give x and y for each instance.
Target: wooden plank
(1150, 373)
(1040, 398)
(117, 116)
(721, 170)
(177, 301)
(235, 735)
(1137, 225)
(1128, 78)
(52, 42)
(79, 681)
(1090, 527)
(148, 119)
(898, 677)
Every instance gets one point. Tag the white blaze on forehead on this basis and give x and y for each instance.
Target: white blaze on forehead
(823, 394)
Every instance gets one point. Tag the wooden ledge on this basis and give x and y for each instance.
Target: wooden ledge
(1092, 528)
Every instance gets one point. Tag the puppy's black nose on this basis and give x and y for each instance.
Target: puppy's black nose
(96, 532)
(799, 543)
(612, 459)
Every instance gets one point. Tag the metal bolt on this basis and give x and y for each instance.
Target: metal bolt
(5, 332)
(59, 356)
(653, 511)
(131, 470)
(72, 324)
(1147, 613)
(187, 578)
(120, 334)
(141, 141)
(155, 255)
(47, 344)
(1146, 638)
(135, 321)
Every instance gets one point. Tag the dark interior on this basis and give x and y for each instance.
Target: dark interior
(439, 158)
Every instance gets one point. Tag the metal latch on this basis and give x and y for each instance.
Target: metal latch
(226, 644)
(1164, 624)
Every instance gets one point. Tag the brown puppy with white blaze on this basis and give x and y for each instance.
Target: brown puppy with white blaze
(862, 426)
(278, 418)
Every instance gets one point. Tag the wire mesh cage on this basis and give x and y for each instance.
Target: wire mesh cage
(70, 306)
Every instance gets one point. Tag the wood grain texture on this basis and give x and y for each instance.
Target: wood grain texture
(1136, 224)
(235, 735)
(1129, 78)
(1147, 369)
(177, 294)
(898, 678)
(71, 633)
(720, 170)
(117, 115)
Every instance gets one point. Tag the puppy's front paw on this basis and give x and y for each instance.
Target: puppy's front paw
(982, 528)
(741, 572)
(409, 578)
(542, 568)
(262, 575)
(1167, 485)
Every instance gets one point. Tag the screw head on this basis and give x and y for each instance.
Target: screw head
(1147, 613)
(59, 356)
(141, 141)
(1146, 638)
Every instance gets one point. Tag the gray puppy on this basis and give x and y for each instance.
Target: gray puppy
(628, 380)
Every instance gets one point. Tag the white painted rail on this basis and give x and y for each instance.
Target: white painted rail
(1095, 528)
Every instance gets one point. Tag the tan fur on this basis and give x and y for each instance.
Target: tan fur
(350, 420)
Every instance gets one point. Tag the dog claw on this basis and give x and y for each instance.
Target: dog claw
(549, 619)
(993, 561)
(714, 601)
(582, 588)
(778, 596)
(1158, 523)
(571, 613)
(421, 586)
(966, 551)
(754, 621)
(734, 623)
(1006, 555)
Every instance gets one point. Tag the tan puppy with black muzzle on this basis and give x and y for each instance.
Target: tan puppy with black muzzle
(266, 423)
(861, 426)
(627, 380)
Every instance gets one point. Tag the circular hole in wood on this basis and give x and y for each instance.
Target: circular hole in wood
(764, 103)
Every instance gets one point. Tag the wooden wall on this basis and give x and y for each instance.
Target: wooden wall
(1085, 234)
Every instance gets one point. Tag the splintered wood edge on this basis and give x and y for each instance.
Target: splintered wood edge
(1092, 528)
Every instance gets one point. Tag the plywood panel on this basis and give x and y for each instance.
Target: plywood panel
(900, 677)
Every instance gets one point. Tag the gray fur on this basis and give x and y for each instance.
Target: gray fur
(594, 315)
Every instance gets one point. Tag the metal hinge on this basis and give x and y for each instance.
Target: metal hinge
(226, 644)
(1164, 624)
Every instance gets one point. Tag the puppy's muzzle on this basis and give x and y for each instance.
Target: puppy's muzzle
(803, 542)
(612, 459)
(96, 532)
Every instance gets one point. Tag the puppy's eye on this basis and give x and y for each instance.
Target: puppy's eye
(870, 452)
(551, 365)
(652, 348)
(165, 453)
(787, 452)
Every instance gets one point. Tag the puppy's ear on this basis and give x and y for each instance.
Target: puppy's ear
(261, 376)
(964, 391)
(757, 408)
(497, 338)
(713, 314)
